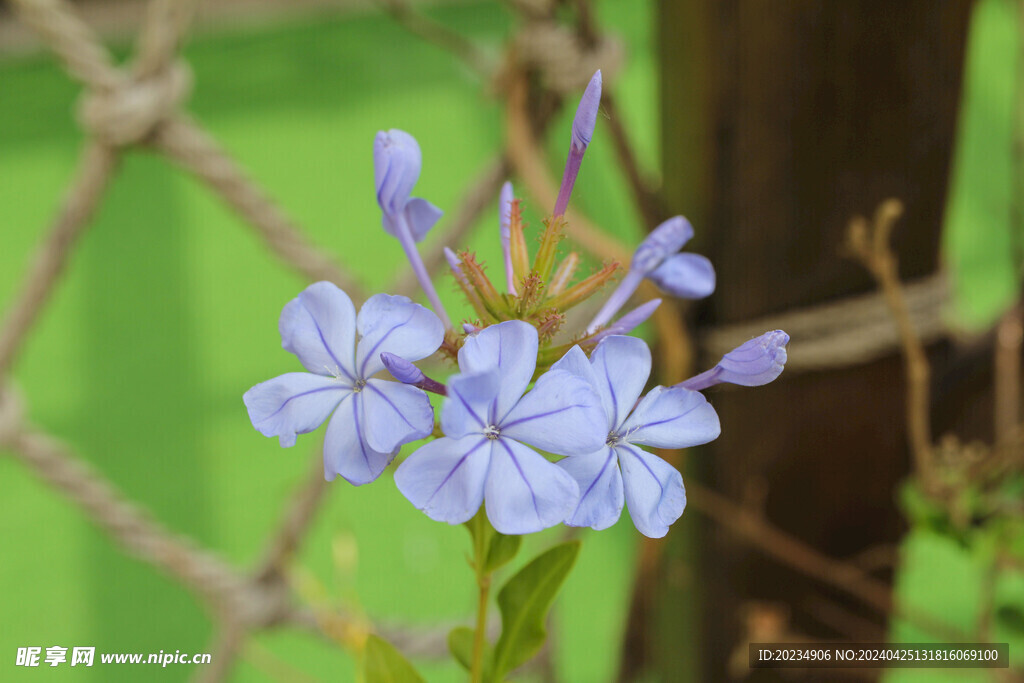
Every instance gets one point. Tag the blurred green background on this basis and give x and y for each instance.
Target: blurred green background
(168, 313)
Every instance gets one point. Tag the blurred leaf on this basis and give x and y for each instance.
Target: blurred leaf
(382, 663)
(503, 548)
(981, 236)
(460, 643)
(524, 602)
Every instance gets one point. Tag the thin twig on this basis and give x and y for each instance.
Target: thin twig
(225, 648)
(189, 145)
(95, 167)
(871, 246)
(792, 552)
(296, 520)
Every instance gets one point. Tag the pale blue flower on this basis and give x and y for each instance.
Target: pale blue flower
(487, 421)
(621, 471)
(342, 352)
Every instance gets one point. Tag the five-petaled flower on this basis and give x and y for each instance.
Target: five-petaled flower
(672, 417)
(487, 420)
(372, 417)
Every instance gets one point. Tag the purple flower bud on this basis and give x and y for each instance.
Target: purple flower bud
(401, 369)
(586, 113)
(505, 220)
(582, 131)
(751, 364)
(470, 329)
(396, 168)
(664, 241)
(630, 321)
(407, 373)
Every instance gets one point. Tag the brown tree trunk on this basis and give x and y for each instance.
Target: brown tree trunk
(781, 120)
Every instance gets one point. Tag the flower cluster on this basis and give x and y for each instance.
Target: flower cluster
(539, 426)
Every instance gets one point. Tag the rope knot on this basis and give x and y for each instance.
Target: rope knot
(131, 111)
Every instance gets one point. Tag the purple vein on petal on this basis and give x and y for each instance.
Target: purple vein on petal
(459, 464)
(465, 405)
(388, 401)
(330, 351)
(371, 354)
(526, 481)
(506, 425)
(611, 455)
(304, 393)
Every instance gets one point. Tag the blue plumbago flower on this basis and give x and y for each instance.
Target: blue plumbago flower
(620, 469)
(582, 131)
(487, 421)
(372, 417)
(396, 168)
(751, 364)
(688, 276)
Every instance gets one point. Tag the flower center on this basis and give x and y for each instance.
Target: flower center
(360, 383)
(492, 432)
(613, 439)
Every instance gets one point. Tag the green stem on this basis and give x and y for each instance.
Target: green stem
(476, 673)
(482, 532)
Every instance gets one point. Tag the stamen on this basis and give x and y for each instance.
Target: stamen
(491, 432)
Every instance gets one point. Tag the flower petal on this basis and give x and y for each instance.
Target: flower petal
(562, 414)
(660, 244)
(757, 361)
(397, 325)
(469, 404)
(575, 362)
(510, 346)
(654, 491)
(294, 403)
(597, 474)
(672, 418)
(621, 366)
(445, 478)
(421, 216)
(319, 326)
(524, 492)
(345, 449)
(395, 414)
(396, 168)
(687, 276)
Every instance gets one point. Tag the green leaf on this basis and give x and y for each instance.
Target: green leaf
(460, 643)
(524, 602)
(501, 551)
(497, 548)
(382, 663)
(981, 237)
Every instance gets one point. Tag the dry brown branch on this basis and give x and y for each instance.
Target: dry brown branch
(870, 244)
(297, 518)
(226, 646)
(187, 144)
(794, 553)
(475, 201)
(95, 166)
